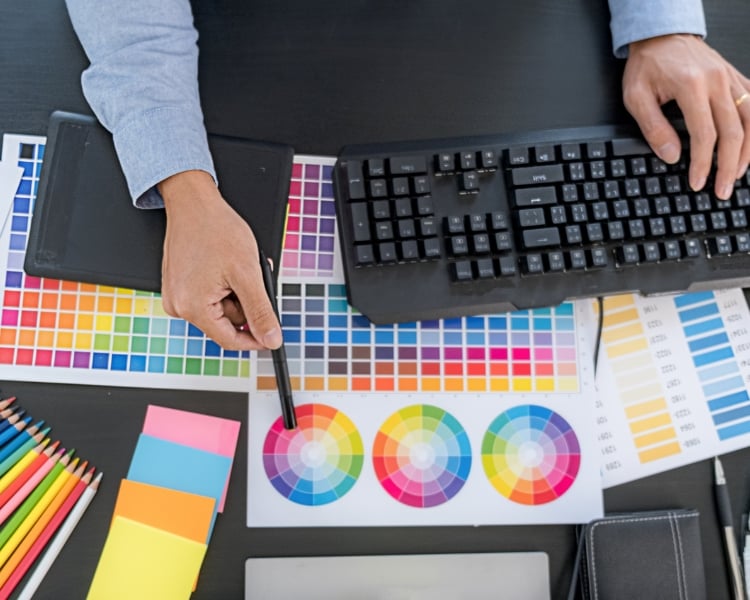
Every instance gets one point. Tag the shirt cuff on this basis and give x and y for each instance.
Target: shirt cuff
(635, 20)
(158, 144)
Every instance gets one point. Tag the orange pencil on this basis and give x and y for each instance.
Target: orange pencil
(45, 518)
(26, 474)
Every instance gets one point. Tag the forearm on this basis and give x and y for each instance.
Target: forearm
(142, 85)
(635, 20)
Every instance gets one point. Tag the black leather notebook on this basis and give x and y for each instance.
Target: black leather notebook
(85, 227)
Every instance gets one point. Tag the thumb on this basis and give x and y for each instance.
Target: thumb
(258, 309)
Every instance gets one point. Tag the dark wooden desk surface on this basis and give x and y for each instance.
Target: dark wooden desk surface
(317, 76)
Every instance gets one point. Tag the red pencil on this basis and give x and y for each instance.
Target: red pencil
(46, 534)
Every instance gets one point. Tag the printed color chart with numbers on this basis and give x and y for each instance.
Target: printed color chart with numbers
(672, 381)
(475, 420)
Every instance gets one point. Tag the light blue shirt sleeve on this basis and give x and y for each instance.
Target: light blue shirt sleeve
(635, 20)
(142, 84)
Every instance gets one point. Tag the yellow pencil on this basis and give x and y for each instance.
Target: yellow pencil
(18, 468)
(18, 554)
(36, 511)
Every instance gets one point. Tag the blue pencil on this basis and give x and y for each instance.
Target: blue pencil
(14, 430)
(21, 439)
(10, 418)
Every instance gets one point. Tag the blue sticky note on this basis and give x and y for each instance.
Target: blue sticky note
(166, 464)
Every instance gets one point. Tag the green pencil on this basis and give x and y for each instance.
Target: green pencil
(33, 498)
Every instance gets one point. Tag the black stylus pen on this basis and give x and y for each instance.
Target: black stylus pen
(280, 365)
(724, 511)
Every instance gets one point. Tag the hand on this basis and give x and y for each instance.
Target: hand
(211, 271)
(708, 91)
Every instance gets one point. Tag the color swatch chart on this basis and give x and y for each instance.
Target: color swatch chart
(331, 347)
(62, 331)
(477, 420)
(672, 381)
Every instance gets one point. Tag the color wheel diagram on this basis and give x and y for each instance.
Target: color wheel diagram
(422, 456)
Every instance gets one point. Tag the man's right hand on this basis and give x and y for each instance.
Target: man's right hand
(211, 271)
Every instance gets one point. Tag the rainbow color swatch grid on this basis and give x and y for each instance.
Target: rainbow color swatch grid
(331, 347)
(69, 331)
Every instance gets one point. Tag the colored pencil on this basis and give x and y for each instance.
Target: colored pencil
(9, 417)
(19, 465)
(15, 478)
(39, 492)
(14, 430)
(24, 548)
(5, 403)
(31, 511)
(30, 485)
(7, 463)
(23, 437)
(81, 501)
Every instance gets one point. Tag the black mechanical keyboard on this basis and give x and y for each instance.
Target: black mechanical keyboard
(465, 226)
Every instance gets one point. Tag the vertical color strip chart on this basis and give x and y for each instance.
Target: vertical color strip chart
(715, 364)
(310, 235)
(672, 381)
(638, 382)
(331, 347)
(531, 455)
(422, 456)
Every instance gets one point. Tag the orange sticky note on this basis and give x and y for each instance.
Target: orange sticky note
(181, 513)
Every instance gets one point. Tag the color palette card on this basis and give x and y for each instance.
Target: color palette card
(139, 561)
(180, 513)
(672, 381)
(204, 432)
(480, 420)
(69, 332)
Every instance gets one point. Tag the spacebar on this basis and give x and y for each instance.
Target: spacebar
(540, 238)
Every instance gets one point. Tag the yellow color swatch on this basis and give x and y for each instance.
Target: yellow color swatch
(139, 561)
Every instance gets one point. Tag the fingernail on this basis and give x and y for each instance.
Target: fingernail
(669, 152)
(725, 191)
(273, 339)
(698, 184)
(741, 173)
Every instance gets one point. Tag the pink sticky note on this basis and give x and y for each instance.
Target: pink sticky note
(204, 432)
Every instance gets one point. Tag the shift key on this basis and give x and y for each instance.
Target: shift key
(541, 238)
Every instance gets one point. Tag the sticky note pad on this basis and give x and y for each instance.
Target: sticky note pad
(139, 561)
(205, 432)
(181, 513)
(179, 467)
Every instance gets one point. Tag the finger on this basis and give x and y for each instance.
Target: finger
(699, 121)
(257, 308)
(744, 112)
(731, 136)
(233, 310)
(224, 333)
(659, 133)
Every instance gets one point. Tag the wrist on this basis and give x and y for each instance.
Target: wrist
(188, 187)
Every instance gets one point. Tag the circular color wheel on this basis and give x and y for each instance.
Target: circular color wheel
(422, 456)
(319, 461)
(531, 454)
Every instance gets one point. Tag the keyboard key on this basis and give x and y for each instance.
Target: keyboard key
(507, 266)
(570, 192)
(477, 222)
(657, 226)
(384, 231)
(672, 250)
(693, 248)
(598, 258)
(360, 221)
(677, 225)
(488, 159)
(630, 147)
(597, 169)
(536, 196)
(420, 185)
(454, 224)
(387, 252)
(638, 167)
(446, 162)
(532, 264)
(431, 248)
(720, 245)
(531, 217)
(576, 172)
(739, 219)
(596, 150)
(537, 175)
(458, 245)
(615, 230)
(594, 233)
(402, 207)
(400, 186)
(617, 168)
(364, 255)
(381, 209)
(467, 161)
(485, 268)
(742, 242)
(425, 206)
(378, 188)
(409, 250)
(462, 271)
(481, 243)
(502, 241)
(469, 181)
(555, 261)
(627, 254)
(577, 260)
(651, 252)
(406, 229)
(428, 227)
(355, 180)
(570, 151)
(573, 235)
(518, 156)
(407, 165)
(498, 221)
(544, 154)
(376, 167)
(541, 238)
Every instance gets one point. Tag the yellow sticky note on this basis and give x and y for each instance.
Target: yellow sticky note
(140, 561)
(181, 513)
